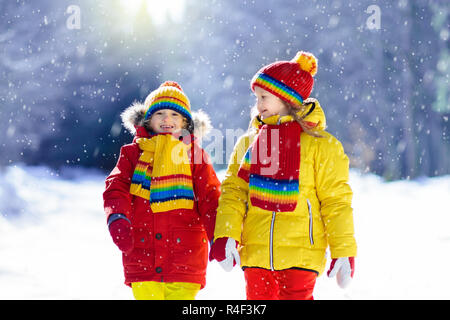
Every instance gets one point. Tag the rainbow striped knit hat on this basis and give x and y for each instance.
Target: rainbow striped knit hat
(291, 81)
(169, 95)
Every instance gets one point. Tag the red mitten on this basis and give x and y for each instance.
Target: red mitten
(224, 250)
(121, 234)
(344, 268)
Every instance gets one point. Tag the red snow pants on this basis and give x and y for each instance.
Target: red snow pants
(289, 284)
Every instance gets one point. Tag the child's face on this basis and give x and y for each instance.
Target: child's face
(269, 104)
(166, 121)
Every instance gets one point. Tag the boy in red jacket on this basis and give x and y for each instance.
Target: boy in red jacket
(161, 198)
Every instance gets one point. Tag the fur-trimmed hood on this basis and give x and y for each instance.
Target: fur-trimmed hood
(134, 116)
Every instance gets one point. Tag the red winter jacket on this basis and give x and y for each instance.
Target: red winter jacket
(170, 246)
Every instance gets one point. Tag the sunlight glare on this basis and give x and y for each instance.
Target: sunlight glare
(158, 10)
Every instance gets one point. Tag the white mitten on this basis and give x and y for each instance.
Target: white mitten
(344, 268)
(224, 250)
(231, 255)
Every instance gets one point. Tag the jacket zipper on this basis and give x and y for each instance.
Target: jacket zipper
(271, 241)
(271, 228)
(311, 238)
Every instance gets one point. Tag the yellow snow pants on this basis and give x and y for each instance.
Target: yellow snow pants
(152, 290)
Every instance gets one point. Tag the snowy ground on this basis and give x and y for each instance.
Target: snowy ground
(54, 243)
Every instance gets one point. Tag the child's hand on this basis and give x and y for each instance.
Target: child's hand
(120, 230)
(344, 268)
(225, 252)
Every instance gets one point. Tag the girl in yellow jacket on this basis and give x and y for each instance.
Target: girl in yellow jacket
(285, 197)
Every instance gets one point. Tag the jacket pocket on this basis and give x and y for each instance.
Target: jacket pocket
(141, 259)
(310, 227)
(141, 237)
(189, 251)
(137, 262)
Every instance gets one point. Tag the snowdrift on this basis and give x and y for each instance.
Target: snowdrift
(54, 241)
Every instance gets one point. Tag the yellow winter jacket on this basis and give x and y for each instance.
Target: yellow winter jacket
(323, 216)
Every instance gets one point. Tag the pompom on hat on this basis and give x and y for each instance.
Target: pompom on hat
(291, 81)
(169, 95)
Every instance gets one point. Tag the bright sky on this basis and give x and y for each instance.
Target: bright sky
(158, 10)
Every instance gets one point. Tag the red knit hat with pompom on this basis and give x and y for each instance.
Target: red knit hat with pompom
(291, 81)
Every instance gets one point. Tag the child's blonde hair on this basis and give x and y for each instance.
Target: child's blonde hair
(305, 109)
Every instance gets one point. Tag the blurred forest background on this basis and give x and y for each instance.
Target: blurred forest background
(69, 68)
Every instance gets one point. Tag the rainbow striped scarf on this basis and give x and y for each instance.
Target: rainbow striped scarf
(271, 167)
(163, 174)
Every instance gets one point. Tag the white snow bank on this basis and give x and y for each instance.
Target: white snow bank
(54, 243)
